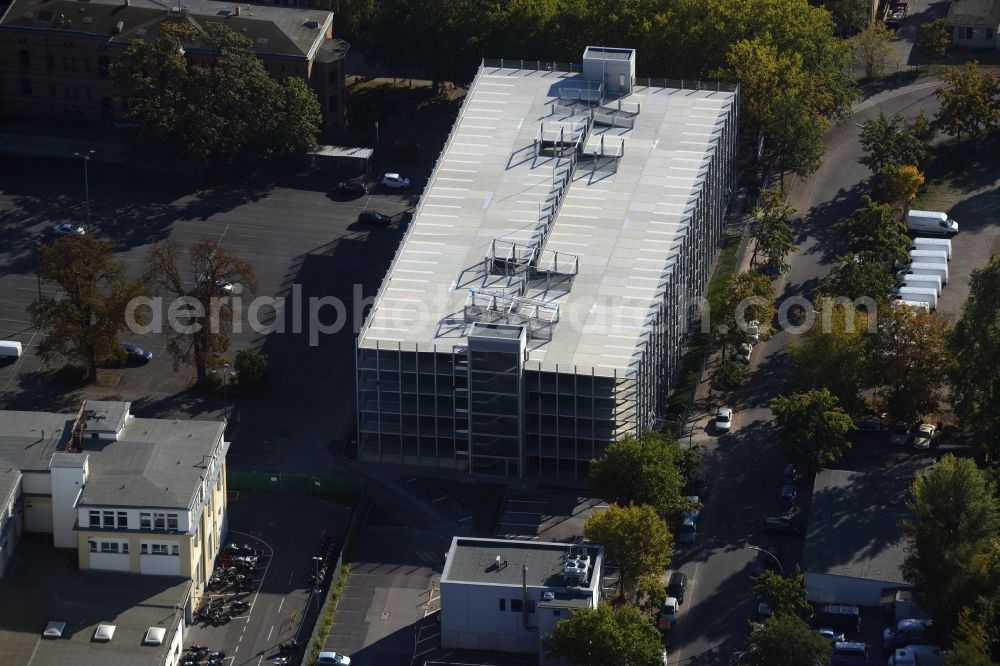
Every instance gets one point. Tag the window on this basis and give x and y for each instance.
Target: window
(86, 64)
(503, 604)
(172, 521)
(158, 549)
(516, 606)
(24, 58)
(102, 66)
(143, 548)
(65, 63)
(108, 547)
(93, 546)
(145, 521)
(159, 521)
(557, 613)
(175, 549)
(95, 518)
(26, 87)
(72, 63)
(122, 515)
(530, 605)
(989, 33)
(970, 33)
(125, 548)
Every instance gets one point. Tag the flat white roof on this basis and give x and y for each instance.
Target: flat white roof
(624, 226)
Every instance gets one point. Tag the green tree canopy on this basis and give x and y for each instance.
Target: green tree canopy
(935, 37)
(813, 427)
(640, 471)
(770, 228)
(975, 345)
(786, 640)
(832, 354)
(909, 360)
(873, 49)
(853, 277)
(784, 596)
(635, 538)
(951, 558)
(749, 297)
(216, 276)
(601, 636)
(876, 232)
(968, 101)
(214, 112)
(889, 141)
(82, 323)
(899, 184)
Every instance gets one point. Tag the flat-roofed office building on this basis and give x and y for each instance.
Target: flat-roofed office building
(540, 302)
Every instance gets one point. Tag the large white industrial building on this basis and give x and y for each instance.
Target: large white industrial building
(540, 303)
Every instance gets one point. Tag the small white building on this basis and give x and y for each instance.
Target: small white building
(503, 595)
(975, 23)
(854, 548)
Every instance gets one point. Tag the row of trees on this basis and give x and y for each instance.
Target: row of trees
(84, 322)
(643, 478)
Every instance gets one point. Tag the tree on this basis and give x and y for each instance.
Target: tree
(784, 596)
(600, 636)
(728, 374)
(889, 141)
(84, 322)
(849, 15)
(770, 229)
(968, 101)
(900, 184)
(635, 538)
(251, 367)
(874, 50)
(640, 471)
(853, 278)
(214, 112)
(935, 37)
(969, 641)
(786, 640)
(876, 232)
(909, 360)
(813, 427)
(975, 347)
(832, 354)
(201, 332)
(749, 297)
(953, 533)
(650, 594)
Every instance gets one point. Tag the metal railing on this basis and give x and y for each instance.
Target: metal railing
(532, 65)
(687, 84)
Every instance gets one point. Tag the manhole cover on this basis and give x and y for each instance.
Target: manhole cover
(385, 615)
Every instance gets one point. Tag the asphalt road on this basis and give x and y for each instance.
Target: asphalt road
(744, 466)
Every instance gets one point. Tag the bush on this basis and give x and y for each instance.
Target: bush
(251, 368)
(728, 374)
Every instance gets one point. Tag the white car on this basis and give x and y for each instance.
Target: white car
(671, 609)
(396, 181)
(925, 433)
(753, 330)
(332, 659)
(67, 229)
(743, 355)
(723, 419)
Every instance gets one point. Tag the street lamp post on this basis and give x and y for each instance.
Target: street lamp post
(225, 380)
(86, 179)
(774, 557)
(38, 268)
(376, 137)
(317, 588)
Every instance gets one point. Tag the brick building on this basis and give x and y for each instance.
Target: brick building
(55, 54)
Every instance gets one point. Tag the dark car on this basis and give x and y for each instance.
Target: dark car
(677, 585)
(789, 493)
(136, 353)
(791, 473)
(781, 526)
(352, 187)
(371, 217)
(697, 486)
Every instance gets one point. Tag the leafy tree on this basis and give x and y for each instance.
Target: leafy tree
(651, 594)
(813, 427)
(728, 374)
(84, 322)
(953, 532)
(968, 101)
(923, 129)
(204, 324)
(849, 15)
(934, 37)
(853, 278)
(786, 640)
(900, 184)
(600, 636)
(214, 112)
(251, 367)
(770, 229)
(749, 297)
(635, 538)
(970, 641)
(876, 232)
(832, 354)
(909, 360)
(874, 50)
(640, 471)
(889, 141)
(784, 596)
(975, 347)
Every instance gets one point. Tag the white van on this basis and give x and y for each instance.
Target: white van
(928, 257)
(10, 349)
(928, 296)
(931, 222)
(924, 281)
(932, 244)
(923, 306)
(941, 270)
(931, 655)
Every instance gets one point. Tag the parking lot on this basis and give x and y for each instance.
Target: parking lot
(547, 515)
(282, 589)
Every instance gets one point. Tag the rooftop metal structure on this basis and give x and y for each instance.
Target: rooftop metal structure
(558, 202)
